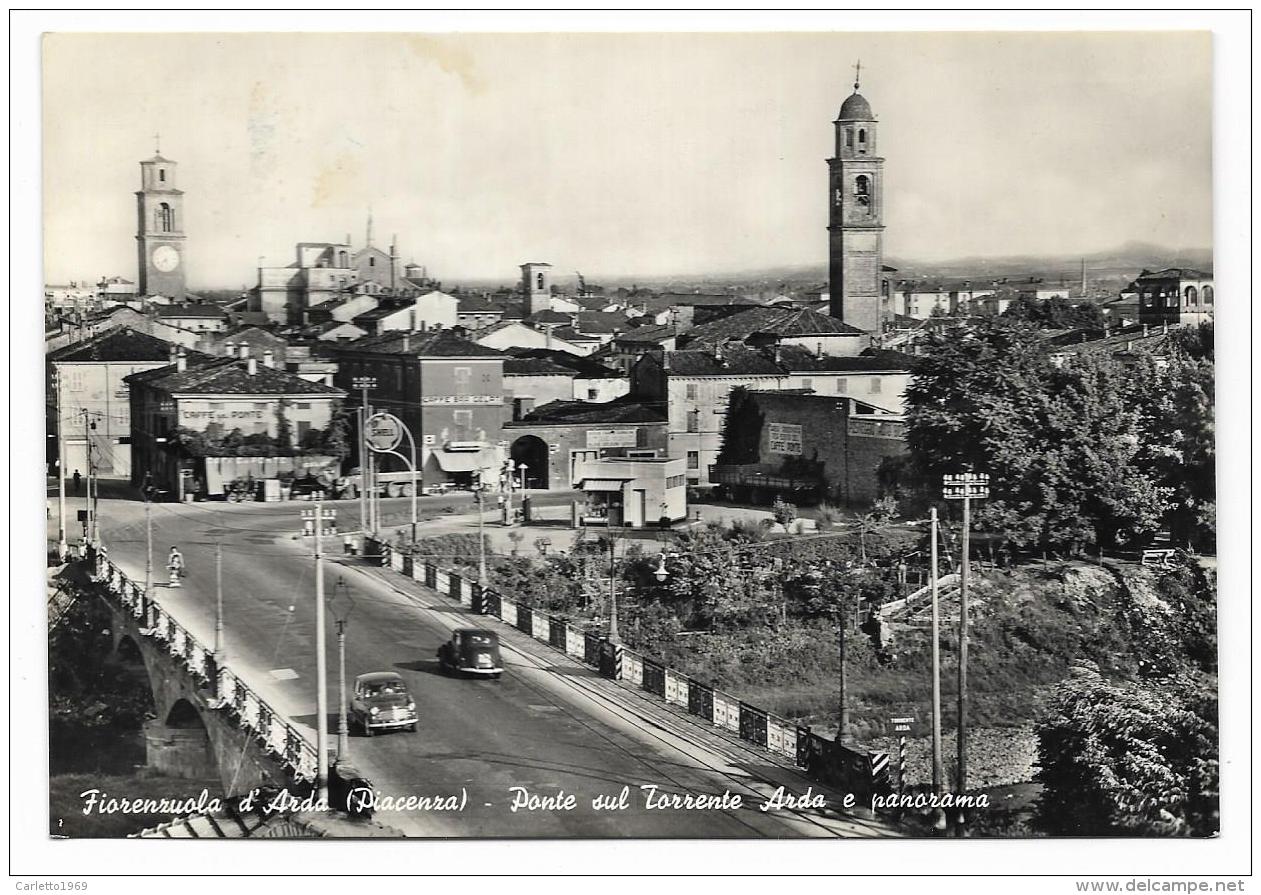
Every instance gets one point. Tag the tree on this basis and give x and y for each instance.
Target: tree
(783, 512)
(1061, 444)
(1128, 759)
(742, 429)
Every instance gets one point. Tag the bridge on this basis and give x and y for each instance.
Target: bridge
(552, 727)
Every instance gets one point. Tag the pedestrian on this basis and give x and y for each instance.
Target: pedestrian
(77, 480)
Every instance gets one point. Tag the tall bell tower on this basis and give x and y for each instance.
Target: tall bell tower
(160, 230)
(856, 216)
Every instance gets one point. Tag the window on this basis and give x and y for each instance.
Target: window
(1208, 295)
(693, 421)
(164, 218)
(302, 405)
(693, 459)
(304, 426)
(875, 385)
(1193, 297)
(162, 175)
(674, 481)
(372, 262)
(842, 385)
(691, 391)
(862, 189)
(592, 394)
(260, 405)
(807, 383)
(849, 138)
(462, 377)
(463, 421)
(539, 281)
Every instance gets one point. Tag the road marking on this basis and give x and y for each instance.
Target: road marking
(284, 674)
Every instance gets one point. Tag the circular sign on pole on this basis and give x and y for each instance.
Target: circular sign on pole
(385, 432)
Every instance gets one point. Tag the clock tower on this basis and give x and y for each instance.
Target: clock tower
(856, 217)
(160, 231)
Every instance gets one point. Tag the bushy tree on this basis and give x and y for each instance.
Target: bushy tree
(1128, 759)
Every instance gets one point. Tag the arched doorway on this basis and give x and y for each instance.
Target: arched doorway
(532, 451)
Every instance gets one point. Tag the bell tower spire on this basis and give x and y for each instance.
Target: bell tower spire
(856, 216)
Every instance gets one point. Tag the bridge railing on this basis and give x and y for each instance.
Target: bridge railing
(857, 770)
(250, 712)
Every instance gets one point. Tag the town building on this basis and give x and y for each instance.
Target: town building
(160, 238)
(631, 492)
(592, 380)
(531, 382)
(1175, 295)
(429, 310)
(779, 326)
(321, 273)
(876, 381)
(446, 389)
(536, 286)
(554, 440)
(90, 408)
(199, 318)
(856, 282)
(805, 448)
(515, 334)
(693, 387)
(476, 312)
(188, 418)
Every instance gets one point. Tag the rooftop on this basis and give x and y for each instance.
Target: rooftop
(229, 376)
(191, 310)
(730, 361)
(432, 343)
(119, 343)
(619, 411)
(779, 321)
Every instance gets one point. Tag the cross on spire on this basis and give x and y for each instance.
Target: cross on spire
(157, 144)
(858, 67)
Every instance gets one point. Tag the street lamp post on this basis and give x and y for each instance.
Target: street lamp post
(316, 519)
(218, 652)
(364, 384)
(613, 632)
(479, 496)
(342, 605)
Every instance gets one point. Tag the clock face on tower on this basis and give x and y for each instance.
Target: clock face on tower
(166, 259)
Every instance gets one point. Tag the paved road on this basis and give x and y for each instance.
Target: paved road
(549, 725)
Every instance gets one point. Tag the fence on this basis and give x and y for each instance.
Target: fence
(284, 742)
(859, 771)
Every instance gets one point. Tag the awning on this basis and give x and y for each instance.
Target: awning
(459, 461)
(603, 484)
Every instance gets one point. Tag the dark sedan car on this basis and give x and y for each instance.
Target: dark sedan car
(381, 701)
(471, 651)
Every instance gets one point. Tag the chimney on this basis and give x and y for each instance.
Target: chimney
(1164, 328)
(1144, 329)
(181, 361)
(251, 366)
(173, 354)
(244, 351)
(1129, 345)
(407, 341)
(269, 359)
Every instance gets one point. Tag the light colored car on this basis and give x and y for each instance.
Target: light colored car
(381, 701)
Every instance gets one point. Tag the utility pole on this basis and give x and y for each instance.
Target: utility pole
(938, 782)
(218, 654)
(367, 505)
(87, 443)
(317, 518)
(843, 712)
(148, 543)
(61, 471)
(479, 496)
(966, 487)
(613, 633)
(342, 605)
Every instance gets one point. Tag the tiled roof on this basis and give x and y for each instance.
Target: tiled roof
(534, 366)
(119, 343)
(600, 323)
(582, 366)
(228, 376)
(434, 343)
(475, 304)
(569, 334)
(618, 411)
(550, 316)
(191, 311)
(1181, 273)
(731, 361)
(799, 360)
(780, 321)
(651, 334)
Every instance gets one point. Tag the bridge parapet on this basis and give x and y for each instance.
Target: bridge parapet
(280, 740)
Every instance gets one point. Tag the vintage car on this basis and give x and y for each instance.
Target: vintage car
(381, 701)
(471, 651)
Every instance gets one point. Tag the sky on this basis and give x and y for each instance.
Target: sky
(620, 155)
